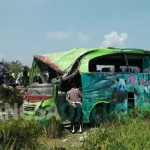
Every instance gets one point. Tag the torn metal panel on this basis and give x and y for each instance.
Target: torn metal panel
(64, 62)
(49, 63)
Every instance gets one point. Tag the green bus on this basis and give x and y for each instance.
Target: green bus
(109, 79)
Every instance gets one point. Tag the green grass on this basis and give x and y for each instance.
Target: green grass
(22, 134)
(121, 132)
(133, 134)
(19, 134)
(126, 133)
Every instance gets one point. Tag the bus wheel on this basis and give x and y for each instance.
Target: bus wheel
(96, 117)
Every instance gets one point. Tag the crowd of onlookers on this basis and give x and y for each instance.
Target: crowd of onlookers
(9, 78)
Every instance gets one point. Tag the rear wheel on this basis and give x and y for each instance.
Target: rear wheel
(97, 116)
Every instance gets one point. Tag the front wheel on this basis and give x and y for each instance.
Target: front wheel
(97, 116)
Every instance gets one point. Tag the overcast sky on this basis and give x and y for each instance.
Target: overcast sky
(29, 27)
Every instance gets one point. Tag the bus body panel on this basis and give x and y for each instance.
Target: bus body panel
(105, 87)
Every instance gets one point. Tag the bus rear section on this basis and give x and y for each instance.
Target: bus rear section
(127, 86)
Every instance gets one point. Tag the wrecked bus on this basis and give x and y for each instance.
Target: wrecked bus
(109, 79)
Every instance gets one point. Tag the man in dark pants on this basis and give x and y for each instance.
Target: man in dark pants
(2, 72)
(25, 76)
(73, 96)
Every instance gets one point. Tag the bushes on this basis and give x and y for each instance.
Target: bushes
(53, 128)
(10, 96)
(132, 135)
(17, 134)
(24, 134)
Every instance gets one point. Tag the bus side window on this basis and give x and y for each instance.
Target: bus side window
(118, 70)
(106, 69)
(109, 69)
(146, 64)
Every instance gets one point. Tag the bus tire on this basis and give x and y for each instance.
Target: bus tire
(97, 117)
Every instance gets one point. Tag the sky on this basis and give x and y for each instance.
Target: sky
(29, 27)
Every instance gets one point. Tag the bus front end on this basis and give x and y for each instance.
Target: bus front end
(39, 98)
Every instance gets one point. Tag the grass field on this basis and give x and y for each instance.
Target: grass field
(121, 132)
(115, 135)
(127, 132)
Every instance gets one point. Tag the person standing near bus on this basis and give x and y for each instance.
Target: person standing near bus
(73, 96)
(7, 74)
(25, 76)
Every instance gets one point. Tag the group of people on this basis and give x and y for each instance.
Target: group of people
(7, 77)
